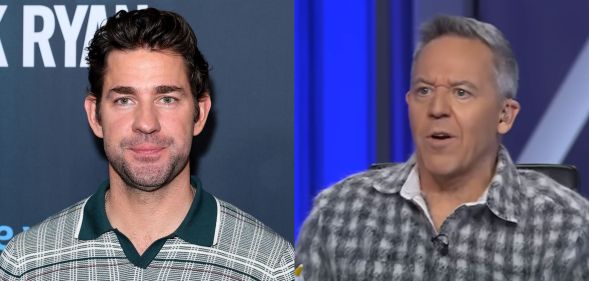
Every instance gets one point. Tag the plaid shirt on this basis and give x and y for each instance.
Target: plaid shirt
(529, 228)
(216, 241)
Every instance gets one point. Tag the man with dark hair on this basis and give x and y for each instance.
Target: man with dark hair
(149, 96)
(458, 209)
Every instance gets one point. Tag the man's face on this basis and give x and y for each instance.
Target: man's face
(147, 117)
(455, 109)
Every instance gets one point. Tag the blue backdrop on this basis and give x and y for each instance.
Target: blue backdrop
(49, 158)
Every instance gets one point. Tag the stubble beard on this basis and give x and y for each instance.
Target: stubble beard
(146, 176)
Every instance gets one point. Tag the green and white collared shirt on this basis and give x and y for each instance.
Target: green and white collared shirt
(216, 241)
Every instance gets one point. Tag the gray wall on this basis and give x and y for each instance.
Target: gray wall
(49, 158)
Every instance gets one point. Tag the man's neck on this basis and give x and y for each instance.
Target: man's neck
(444, 194)
(145, 217)
(463, 188)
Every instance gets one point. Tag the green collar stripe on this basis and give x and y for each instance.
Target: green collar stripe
(198, 227)
(208, 263)
(67, 261)
(106, 258)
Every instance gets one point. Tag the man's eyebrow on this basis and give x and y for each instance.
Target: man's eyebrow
(165, 89)
(463, 83)
(421, 80)
(123, 90)
(452, 84)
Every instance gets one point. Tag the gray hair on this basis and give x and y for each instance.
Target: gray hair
(506, 69)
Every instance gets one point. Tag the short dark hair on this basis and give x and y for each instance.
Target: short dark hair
(151, 29)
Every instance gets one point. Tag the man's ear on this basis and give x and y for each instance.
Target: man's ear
(204, 106)
(507, 116)
(90, 106)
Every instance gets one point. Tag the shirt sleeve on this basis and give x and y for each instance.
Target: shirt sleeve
(310, 250)
(9, 269)
(285, 269)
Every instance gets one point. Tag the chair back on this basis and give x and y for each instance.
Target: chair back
(566, 175)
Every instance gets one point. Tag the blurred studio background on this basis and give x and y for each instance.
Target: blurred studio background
(352, 66)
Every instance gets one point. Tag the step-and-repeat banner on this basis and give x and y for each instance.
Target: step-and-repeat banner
(49, 158)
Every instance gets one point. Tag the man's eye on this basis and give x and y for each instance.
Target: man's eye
(461, 93)
(168, 100)
(123, 101)
(423, 91)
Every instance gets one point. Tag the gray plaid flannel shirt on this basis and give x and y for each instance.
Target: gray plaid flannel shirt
(531, 228)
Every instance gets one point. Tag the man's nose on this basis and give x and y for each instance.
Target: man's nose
(146, 119)
(439, 106)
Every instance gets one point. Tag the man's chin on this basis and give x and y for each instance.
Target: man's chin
(150, 178)
(440, 166)
(147, 176)
(148, 184)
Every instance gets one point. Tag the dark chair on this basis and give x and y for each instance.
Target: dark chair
(566, 175)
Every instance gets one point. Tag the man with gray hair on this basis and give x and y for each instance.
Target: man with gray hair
(458, 209)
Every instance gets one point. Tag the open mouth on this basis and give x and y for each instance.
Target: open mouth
(440, 136)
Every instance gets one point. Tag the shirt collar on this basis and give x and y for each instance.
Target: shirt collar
(504, 189)
(391, 179)
(411, 189)
(502, 193)
(199, 227)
